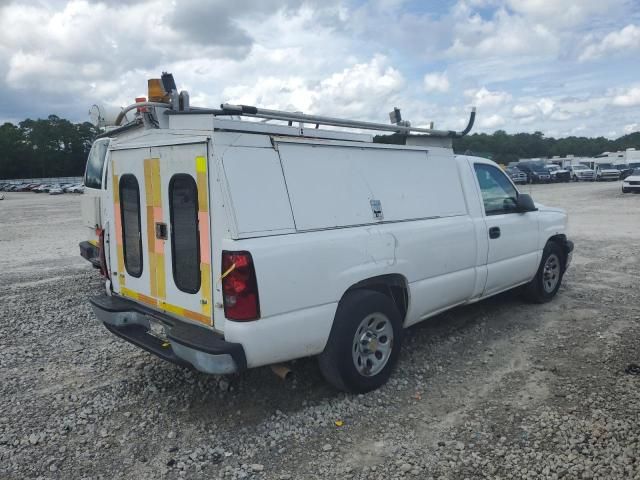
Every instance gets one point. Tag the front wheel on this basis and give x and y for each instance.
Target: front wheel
(364, 343)
(625, 190)
(546, 283)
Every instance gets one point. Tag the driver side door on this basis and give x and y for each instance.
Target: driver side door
(513, 255)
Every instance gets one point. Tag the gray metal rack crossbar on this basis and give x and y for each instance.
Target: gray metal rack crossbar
(340, 122)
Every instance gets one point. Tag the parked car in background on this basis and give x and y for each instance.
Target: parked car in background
(625, 170)
(536, 173)
(606, 171)
(69, 188)
(632, 182)
(516, 175)
(55, 191)
(558, 174)
(581, 173)
(44, 188)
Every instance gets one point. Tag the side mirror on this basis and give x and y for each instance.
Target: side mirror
(525, 203)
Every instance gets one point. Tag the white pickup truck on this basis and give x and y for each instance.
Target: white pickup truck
(230, 244)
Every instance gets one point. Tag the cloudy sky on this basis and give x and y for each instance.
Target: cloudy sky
(564, 67)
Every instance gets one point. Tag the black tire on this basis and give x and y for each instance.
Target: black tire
(535, 291)
(337, 363)
(625, 190)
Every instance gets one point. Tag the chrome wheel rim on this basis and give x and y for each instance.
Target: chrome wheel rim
(551, 273)
(372, 344)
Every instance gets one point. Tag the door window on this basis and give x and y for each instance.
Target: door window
(130, 218)
(185, 238)
(498, 193)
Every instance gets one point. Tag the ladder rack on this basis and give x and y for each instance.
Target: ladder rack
(227, 109)
(249, 111)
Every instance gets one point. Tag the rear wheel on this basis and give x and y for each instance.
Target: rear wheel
(364, 343)
(546, 283)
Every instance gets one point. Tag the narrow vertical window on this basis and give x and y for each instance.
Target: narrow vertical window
(131, 231)
(185, 238)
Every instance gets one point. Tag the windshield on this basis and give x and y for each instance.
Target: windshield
(634, 165)
(579, 167)
(605, 166)
(636, 171)
(553, 167)
(95, 164)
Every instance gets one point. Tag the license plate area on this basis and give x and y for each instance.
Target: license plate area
(157, 329)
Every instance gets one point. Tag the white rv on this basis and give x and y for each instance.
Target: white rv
(231, 243)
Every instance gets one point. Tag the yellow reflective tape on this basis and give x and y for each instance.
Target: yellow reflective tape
(115, 184)
(203, 201)
(198, 317)
(120, 264)
(148, 185)
(155, 181)
(172, 309)
(205, 288)
(129, 293)
(201, 164)
(151, 234)
(153, 272)
(160, 276)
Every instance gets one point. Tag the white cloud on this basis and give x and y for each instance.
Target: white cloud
(503, 35)
(436, 82)
(517, 60)
(363, 90)
(622, 41)
(524, 111)
(492, 121)
(631, 128)
(629, 98)
(562, 12)
(545, 105)
(486, 98)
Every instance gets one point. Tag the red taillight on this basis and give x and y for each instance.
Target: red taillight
(239, 287)
(103, 258)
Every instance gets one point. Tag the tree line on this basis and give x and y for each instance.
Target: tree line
(504, 148)
(55, 147)
(51, 147)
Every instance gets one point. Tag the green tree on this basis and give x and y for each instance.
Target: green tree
(44, 148)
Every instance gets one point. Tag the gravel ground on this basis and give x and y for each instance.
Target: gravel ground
(499, 389)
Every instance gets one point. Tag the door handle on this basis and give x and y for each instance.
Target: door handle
(494, 232)
(161, 231)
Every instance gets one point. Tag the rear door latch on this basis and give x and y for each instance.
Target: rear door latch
(161, 231)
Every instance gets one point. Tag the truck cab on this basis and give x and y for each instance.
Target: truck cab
(92, 201)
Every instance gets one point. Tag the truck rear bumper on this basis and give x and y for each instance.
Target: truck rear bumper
(182, 343)
(91, 253)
